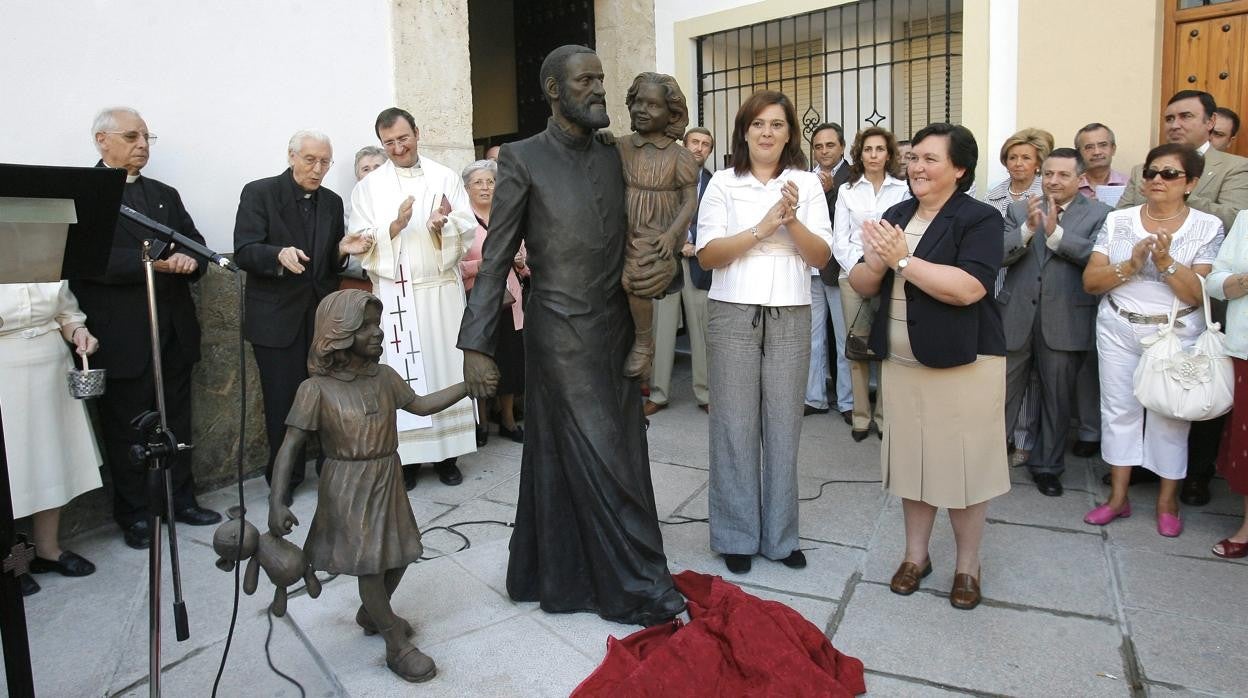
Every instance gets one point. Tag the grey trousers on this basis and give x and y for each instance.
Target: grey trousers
(1057, 373)
(666, 318)
(758, 358)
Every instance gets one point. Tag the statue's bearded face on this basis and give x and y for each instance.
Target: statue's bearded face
(582, 97)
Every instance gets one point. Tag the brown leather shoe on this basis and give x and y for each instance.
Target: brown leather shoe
(965, 592)
(652, 407)
(906, 579)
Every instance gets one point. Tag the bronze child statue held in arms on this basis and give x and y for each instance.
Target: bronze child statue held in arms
(363, 524)
(661, 179)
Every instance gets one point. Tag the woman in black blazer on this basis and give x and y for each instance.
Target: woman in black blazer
(934, 259)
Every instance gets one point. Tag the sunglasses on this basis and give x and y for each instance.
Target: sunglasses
(1168, 174)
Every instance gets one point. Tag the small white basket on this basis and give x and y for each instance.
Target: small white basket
(86, 383)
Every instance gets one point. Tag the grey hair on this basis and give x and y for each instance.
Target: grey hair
(487, 165)
(369, 151)
(296, 141)
(106, 120)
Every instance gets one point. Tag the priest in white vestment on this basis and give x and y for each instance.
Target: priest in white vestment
(417, 213)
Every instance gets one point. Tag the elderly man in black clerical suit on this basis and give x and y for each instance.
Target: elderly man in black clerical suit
(116, 308)
(288, 237)
(586, 536)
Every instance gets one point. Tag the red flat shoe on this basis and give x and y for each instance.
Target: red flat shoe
(1231, 549)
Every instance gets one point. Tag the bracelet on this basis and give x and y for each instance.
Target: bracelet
(754, 232)
(1122, 278)
(75, 332)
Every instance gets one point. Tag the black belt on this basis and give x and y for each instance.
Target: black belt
(1141, 319)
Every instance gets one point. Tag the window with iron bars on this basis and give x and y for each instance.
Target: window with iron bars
(892, 63)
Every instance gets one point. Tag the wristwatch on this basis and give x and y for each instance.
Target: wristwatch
(902, 264)
(1170, 270)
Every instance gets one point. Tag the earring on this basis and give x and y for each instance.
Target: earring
(1187, 193)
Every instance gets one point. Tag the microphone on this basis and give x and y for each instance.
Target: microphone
(168, 234)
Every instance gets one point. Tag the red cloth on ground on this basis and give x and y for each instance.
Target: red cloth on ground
(734, 645)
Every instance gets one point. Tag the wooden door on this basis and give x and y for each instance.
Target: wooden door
(542, 26)
(1205, 50)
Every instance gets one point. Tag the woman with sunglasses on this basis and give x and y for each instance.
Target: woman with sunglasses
(1144, 258)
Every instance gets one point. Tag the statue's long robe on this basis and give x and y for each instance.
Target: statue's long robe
(587, 535)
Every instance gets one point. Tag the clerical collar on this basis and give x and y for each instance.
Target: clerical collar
(298, 191)
(413, 171)
(570, 140)
(131, 179)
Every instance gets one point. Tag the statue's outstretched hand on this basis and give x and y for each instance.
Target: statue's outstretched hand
(281, 520)
(480, 373)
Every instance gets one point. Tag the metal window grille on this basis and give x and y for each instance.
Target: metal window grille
(892, 63)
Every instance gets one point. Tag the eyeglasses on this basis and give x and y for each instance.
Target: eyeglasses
(1169, 174)
(312, 161)
(401, 140)
(133, 136)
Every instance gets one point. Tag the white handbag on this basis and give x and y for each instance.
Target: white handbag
(1192, 384)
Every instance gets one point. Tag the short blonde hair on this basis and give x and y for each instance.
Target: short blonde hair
(1037, 138)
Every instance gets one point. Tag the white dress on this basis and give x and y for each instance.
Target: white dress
(52, 452)
(422, 296)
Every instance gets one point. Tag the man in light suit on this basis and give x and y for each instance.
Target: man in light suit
(1223, 192)
(1047, 315)
(697, 281)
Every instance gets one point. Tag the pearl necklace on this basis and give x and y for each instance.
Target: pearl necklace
(1150, 216)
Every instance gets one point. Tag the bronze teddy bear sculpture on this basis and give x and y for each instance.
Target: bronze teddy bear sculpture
(283, 561)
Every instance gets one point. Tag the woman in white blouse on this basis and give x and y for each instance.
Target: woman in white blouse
(51, 450)
(1144, 258)
(761, 226)
(870, 191)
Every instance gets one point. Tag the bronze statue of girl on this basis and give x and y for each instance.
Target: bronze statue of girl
(661, 177)
(363, 524)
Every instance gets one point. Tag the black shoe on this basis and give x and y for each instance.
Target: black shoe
(796, 560)
(516, 434)
(848, 416)
(1050, 485)
(1139, 476)
(29, 585)
(410, 471)
(138, 535)
(1195, 492)
(738, 564)
(448, 472)
(860, 434)
(68, 565)
(195, 515)
(808, 410)
(1086, 449)
(483, 435)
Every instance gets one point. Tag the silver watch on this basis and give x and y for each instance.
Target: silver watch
(1170, 270)
(903, 263)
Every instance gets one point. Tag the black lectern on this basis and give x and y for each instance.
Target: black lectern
(55, 223)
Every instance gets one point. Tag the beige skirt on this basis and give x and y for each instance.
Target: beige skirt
(944, 432)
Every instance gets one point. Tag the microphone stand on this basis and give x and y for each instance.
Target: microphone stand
(159, 447)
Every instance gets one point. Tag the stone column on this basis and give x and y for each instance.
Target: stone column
(624, 35)
(432, 76)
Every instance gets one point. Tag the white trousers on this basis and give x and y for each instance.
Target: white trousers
(1130, 434)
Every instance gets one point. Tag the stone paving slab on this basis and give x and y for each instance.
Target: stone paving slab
(1212, 590)
(1182, 651)
(992, 650)
(880, 685)
(673, 484)
(828, 567)
(1018, 565)
(247, 671)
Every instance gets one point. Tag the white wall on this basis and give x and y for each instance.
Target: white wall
(667, 13)
(223, 83)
